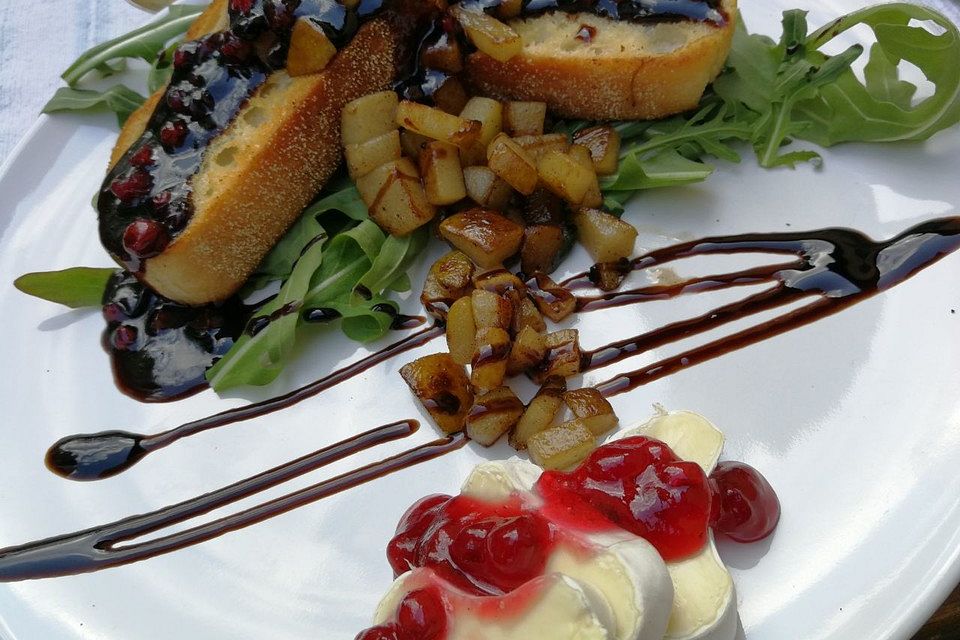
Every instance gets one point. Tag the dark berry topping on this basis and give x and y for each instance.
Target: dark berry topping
(173, 134)
(144, 238)
(124, 337)
(131, 187)
(143, 157)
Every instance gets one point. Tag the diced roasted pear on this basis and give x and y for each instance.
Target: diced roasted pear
(542, 247)
(561, 447)
(437, 124)
(486, 236)
(461, 331)
(442, 387)
(310, 48)
(540, 413)
(554, 301)
(592, 197)
(536, 146)
(368, 117)
(364, 157)
(395, 198)
(443, 55)
(490, 309)
(527, 352)
(449, 279)
(608, 276)
(488, 34)
(489, 365)
(499, 281)
(441, 171)
(492, 415)
(606, 237)
(485, 188)
(565, 176)
(511, 163)
(489, 113)
(592, 409)
(412, 143)
(563, 355)
(604, 144)
(525, 314)
(524, 118)
(451, 96)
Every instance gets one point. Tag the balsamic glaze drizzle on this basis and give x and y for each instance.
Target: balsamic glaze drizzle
(101, 455)
(837, 268)
(96, 548)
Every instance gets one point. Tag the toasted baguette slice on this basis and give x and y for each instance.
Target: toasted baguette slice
(258, 175)
(625, 71)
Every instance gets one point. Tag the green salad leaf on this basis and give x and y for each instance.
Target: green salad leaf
(75, 287)
(146, 43)
(120, 99)
(328, 259)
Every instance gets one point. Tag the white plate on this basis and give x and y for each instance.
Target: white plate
(855, 420)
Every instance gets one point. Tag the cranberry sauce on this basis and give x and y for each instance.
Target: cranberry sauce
(146, 199)
(160, 349)
(422, 615)
(633, 10)
(483, 548)
(640, 485)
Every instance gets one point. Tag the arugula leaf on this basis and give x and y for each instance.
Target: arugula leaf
(146, 42)
(118, 98)
(76, 287)
(880, 109)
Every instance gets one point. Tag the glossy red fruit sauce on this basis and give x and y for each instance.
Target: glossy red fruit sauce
(749, 507)
(422, 615)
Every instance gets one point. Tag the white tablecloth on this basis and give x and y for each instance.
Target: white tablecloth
(38, 40)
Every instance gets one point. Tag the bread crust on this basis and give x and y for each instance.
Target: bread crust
(242, 207)
(608, 86)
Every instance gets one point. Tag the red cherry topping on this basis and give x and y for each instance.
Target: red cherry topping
(640, 485)
(129, 188)
(113, 312)
(422, 615)
(173, 134)
(243, 6)
(380, 632)
(749, 507)
(144, 238)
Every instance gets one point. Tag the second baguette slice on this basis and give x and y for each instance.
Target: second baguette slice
(614, 70)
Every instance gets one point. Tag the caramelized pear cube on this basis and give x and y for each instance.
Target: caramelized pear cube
(527, 352)
(395, 198)
(564, 176)
(606, 237)
(490, 309)
(488, 34)
(561, 447)
(364, 157)
(489, 364)
(499, 281)
(536, 146)
(539, 414)
(511, 163)
(591, 409)
(604, 144)
(486, 236)
(525, 314)
(563, 355)
(542, 248)
(449, 279)
(492, 415)
(437, 124)
(442, 175)
(461, 331)
(592, 197)
(368, 117)
(485, 188)
(554, 301)
(524, 118)
(489, 113)
(310, 49)
(442, 387)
